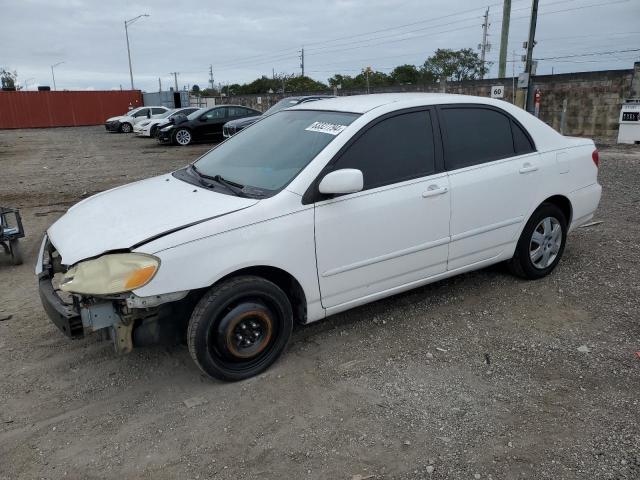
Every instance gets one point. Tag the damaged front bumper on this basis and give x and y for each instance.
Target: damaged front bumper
(127, 319)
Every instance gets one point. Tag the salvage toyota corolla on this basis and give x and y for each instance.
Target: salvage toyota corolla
(314, 210)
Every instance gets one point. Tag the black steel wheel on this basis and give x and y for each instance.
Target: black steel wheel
(541, 243)
(239, 328)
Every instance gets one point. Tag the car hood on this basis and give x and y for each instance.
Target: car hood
(133, 214)
(243, 122)
(119, 118)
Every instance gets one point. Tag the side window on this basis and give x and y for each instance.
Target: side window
(521, 141)
(474, 136)
(216, 113)
(142, 113)
(156, 111)
(396, 149)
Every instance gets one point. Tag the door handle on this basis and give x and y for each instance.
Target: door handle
(434, 190)
(527, 167)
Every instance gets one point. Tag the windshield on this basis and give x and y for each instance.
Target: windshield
(166, 114)
(197, 113)
(270, 153)
(131, 112)
(282, 104)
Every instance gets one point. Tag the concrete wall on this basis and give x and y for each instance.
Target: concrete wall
(593, 98)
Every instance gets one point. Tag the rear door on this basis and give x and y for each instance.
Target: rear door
(493, 171)
(396, 230)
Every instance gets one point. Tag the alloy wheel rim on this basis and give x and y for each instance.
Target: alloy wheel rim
(183, 137)
(126, 128)
(545, 243)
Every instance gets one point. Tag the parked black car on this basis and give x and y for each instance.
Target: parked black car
(203, 125)
(234, 126)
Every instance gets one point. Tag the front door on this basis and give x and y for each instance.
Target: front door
(396, 230)
(209, 125)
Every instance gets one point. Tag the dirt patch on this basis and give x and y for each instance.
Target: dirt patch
(482, 374)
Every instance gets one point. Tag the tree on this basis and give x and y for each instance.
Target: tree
(304, 84)
(8, 78)
(195, 89)
(454, 65)
(405, 74)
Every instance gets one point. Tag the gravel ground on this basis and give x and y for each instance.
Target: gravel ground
(481, 376)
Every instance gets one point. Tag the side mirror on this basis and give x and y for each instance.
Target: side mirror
(203, 118)
(346, 180)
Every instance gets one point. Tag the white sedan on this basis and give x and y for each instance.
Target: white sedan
(148, 128)
(312, 211)
(124, 123)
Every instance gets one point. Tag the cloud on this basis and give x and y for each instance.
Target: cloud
(246, 39)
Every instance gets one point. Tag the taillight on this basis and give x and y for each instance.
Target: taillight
(595, 156)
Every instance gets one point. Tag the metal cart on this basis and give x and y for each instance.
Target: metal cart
(11, 231)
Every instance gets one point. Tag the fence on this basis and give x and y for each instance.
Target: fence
(63, 109)
(592, 99)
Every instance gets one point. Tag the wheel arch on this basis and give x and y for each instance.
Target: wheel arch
(283, 279)
(563, 203)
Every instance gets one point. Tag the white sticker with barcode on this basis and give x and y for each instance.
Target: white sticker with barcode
(324, 127)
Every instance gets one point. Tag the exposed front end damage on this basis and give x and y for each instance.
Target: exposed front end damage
(126, 319)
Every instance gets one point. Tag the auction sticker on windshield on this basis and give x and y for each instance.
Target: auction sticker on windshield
(324, 127)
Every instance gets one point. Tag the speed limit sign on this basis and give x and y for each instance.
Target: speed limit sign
(497, 91)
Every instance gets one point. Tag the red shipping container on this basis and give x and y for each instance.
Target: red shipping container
(64, 109)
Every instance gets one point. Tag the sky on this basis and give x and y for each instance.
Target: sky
(243, 40)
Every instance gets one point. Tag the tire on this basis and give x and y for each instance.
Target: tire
(16, 253)
(126, 128)
(541, 243)
(153, 131)
(239, 328)
(182, 137)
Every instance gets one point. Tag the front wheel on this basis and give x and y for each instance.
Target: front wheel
(541, 244)
(126, 128)
(240, 328)
(182, 137)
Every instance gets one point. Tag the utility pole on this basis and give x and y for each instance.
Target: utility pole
(530, 44)
(513, 69)
(126, 33)
(159, 84)
(211, 76)
(53, 75)
(504, 39)
(484, 46)
(175, 79)
(302, 60)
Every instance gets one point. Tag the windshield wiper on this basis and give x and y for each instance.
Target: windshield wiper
(233, 187)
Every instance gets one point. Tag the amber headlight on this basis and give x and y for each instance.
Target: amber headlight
(114, 273)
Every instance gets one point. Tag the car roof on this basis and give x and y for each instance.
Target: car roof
(365, 103)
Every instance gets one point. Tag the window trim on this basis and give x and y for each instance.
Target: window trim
(313, 195)
(481, 106)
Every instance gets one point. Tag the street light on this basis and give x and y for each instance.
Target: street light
(126, 33)
(53, 74)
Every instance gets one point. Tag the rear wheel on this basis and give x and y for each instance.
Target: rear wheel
(541, 244)
(240, 328)
(182, 137)
(16, 253)
(153, 131)
(126, 128)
